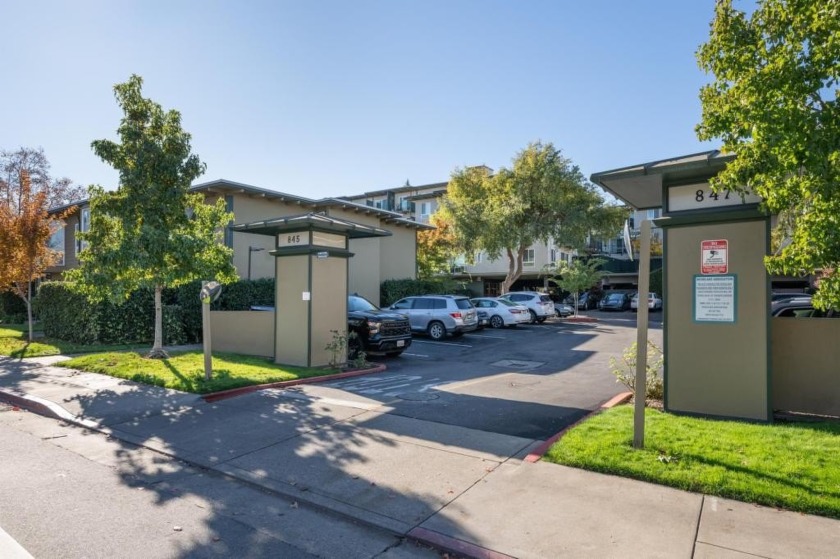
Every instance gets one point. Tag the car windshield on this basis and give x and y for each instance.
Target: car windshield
(360, 304)
(463, 303)
(615, 297)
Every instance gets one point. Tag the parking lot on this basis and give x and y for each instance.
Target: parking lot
(529, 381)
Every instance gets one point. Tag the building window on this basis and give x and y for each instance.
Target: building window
(83, 226)
(553, 256)
(528, 258)
(56, 243)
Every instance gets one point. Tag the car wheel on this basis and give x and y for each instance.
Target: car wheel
(496, 321)
(541, 319)
(533, 316)
(437, 331)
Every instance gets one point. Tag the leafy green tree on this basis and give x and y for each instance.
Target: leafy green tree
(150, 232)
(578, 276)
(774, 104)
(543, 198)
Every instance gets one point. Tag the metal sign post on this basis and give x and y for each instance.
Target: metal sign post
(210, 291)
(642, 338)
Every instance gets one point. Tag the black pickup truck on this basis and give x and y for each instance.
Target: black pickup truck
(377, 331)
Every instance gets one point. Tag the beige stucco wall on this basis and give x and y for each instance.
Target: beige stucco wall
(292, 312)
(806, 365)
(248, 209)
(246, 332)
(717, 368)
(329, 307)
(365, 268)
(398, 254)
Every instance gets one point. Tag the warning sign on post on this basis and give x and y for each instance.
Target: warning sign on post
(714, 257)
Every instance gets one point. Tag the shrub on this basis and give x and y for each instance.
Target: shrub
(12, 308)
(394, 290)
(625, 371)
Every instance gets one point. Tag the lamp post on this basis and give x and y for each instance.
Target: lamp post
(251, 250)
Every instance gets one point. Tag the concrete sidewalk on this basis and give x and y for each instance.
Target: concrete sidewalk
(455, 488)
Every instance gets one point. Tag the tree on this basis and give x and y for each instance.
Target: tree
(774, 104)
(578, 276)
(436, 248)
(12, 163)
(543, 198)
(25, 228)
(151, 232)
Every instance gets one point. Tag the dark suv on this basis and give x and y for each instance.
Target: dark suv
(377, 331)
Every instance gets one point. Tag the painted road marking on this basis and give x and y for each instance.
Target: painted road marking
(392, 385)
(451, 344)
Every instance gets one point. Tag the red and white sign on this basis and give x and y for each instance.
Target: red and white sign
(714, 257)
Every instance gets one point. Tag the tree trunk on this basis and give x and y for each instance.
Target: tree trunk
(514, 268)
(28, 300)
(576, 303)
(157, 351)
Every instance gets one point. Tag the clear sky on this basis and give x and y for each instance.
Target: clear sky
(328, 98)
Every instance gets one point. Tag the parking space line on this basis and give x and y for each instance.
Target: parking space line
(451, 344)
(488, 336)
(414, 354)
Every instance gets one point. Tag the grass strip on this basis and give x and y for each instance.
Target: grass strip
(14, 343)
(795, 466)
(185, 370)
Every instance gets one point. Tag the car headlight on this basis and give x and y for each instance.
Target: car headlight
(373, 327)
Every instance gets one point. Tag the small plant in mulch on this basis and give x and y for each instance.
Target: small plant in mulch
(625, 373)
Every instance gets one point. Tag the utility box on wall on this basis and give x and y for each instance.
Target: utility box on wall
(716, 288)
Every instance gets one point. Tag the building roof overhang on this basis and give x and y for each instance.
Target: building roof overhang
(311, 221)
(641, 186)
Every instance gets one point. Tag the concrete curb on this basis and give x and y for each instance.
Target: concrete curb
(584, 319)
(44, 407)
(540, 451)
(233, 392)
(454, 545)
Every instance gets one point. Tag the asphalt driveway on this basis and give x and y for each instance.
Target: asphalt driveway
(529, 381)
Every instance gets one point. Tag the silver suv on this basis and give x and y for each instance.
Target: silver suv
(438, 315)
(539, 305)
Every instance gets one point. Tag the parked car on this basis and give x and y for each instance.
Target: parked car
(783, 296)
(377, 331)
(498, 313)
(587, 301)
(563, 310)
(438, 315)
(539, 304)
(654, 302)
(800, 307)
(615, 301)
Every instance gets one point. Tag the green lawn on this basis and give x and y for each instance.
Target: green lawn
(794, 466)
(185, 370)
(13, 343)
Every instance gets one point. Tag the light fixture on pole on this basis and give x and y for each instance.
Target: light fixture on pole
(251, 250)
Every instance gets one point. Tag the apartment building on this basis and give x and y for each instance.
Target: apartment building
(485, 275)
(375, 259)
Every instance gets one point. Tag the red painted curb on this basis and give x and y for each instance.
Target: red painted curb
(538, 452)
(233, 392)
(454, 545)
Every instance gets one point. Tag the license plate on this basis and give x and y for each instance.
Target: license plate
(400, 343)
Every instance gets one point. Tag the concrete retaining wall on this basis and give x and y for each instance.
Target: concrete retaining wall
(246, 332)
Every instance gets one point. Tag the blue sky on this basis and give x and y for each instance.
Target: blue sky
(327, 98)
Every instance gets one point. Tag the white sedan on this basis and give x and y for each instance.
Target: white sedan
(498, 313)
(654, 302)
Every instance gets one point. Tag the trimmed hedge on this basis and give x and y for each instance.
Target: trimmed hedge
(69, 316)
(12, 308)
(394, 290)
